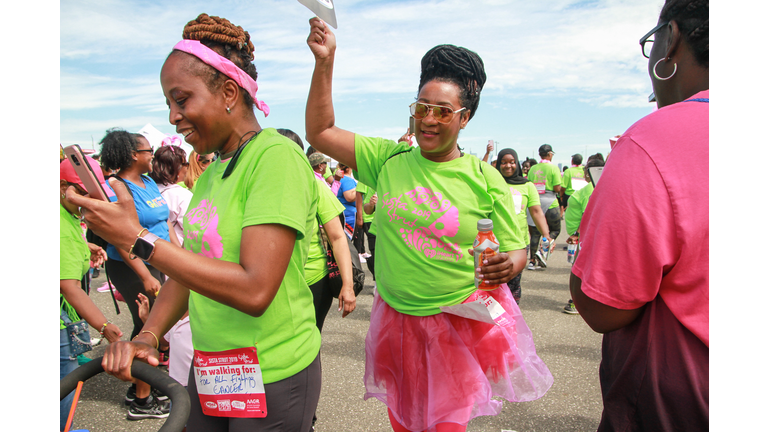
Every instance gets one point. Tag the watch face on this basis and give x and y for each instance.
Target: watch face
(143, 249)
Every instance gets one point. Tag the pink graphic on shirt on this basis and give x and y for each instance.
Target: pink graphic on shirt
(432, 239)
(205, 214)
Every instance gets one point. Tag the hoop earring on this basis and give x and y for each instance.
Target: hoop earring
(229, 111)
(657, 75)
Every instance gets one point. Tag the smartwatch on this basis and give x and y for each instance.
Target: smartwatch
(144, 247)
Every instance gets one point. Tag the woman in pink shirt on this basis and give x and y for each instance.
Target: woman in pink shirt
(642, 276)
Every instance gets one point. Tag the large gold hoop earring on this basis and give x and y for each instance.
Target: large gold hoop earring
(656, 75)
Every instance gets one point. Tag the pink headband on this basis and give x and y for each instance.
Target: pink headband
(225, 66)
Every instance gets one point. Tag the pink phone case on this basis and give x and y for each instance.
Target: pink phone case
(83, 169)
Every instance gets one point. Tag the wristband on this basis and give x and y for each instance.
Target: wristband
(104, 327)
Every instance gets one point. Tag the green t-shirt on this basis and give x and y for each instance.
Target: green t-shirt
(367, 193)
(573, 179)
(577, 203)
(426, 219)
(545, 176)
(524, 196)
(74, 255)
(272, 184)
(328, 207)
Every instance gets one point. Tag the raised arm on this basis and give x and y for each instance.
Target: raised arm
(320, 118)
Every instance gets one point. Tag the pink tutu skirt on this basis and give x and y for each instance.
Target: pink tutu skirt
(445, 368)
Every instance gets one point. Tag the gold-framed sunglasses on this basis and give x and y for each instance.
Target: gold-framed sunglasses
(442, 114)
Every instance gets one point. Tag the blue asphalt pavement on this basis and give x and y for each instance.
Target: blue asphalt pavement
(564, 342)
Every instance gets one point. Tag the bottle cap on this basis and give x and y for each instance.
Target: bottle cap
(484, 225)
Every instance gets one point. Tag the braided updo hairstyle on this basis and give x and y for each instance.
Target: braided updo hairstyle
(692, 18)
(117, 148)
(229, 41)
(457, 65)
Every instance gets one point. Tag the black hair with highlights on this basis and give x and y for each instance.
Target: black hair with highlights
(457, 65)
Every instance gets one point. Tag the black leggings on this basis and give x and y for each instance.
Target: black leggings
(553, 223)
(129, 285)
(371, 247)
(322, 298)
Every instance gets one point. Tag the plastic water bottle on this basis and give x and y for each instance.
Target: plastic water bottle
(545, 247)
(485, 246)
(572, 252)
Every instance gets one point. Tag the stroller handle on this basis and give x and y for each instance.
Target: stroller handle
(150, 375)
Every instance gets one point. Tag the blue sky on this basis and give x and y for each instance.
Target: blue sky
(566, 73)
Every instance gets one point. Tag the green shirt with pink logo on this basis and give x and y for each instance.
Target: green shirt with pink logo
(426, 220)
(545, 176)
(272, 183)
(524, 196)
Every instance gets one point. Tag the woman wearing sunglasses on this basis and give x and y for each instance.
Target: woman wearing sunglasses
(652, 301)
(433, 370)
(131, 156)
(246, 236)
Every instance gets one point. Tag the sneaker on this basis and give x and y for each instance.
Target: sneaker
(540, 258)
(130, 395)
(105, 287)
(570, 308)
(152, 409)
(81, 360)
(533, 266)
(159, 396)
(362, 258)
(366, 255)
(95, 341)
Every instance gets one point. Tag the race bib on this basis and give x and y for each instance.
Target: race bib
(541, 187)
(229, 383)
(480, 306)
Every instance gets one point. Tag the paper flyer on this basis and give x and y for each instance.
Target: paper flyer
(323, 9)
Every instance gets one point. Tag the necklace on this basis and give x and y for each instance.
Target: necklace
(236, 154)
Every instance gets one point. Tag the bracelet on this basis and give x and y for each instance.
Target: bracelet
(156, 339)
(130, 252)
(104, 327)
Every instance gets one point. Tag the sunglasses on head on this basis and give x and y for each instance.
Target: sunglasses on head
(144, 150)
(442, 114)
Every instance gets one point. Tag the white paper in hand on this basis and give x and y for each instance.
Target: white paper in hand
(323, 9)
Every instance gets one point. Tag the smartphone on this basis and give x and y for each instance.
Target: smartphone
(411, 125)
(83, 169)
(594, 174)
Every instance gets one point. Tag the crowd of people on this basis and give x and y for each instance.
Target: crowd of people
(236, 242)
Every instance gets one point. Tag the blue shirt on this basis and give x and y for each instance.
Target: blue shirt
(151, 208)
(350, 210)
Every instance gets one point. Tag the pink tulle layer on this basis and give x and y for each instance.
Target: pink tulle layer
(445, 368)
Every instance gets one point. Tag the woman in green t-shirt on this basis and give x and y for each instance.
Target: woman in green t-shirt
(433, 369)
(246, 236)
(76, 256)
(524, 196)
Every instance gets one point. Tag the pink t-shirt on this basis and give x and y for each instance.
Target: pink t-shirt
(645, 231)
(179, 338)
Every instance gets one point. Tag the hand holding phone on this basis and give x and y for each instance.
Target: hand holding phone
(86, 173)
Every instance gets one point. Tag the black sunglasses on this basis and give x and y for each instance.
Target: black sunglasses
(145, 150)
(644, 47)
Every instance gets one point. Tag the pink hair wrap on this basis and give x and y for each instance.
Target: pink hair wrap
(225, 66)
